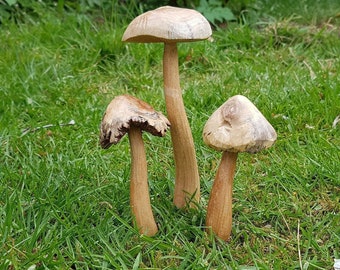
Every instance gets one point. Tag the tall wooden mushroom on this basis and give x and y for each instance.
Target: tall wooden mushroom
(171, 25)
(236, 126)
(127, 114)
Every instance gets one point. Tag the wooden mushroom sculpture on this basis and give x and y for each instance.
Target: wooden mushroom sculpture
(171, 25)
(127, 114)
(236, 126)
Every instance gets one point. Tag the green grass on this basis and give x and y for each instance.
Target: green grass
(64, 202)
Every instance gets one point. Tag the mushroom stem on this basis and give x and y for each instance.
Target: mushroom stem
(219, 212)
(139, 190)
(187, 186)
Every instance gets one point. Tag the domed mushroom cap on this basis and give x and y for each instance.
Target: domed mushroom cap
(125, 111)
(238, 126)
(168, 24)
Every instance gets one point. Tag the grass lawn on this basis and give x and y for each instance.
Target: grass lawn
(64, 202)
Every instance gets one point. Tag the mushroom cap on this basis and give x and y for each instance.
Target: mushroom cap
(168, 24)
(238, 126)
(125, 111)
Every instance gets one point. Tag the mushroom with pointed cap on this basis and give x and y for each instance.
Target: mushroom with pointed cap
(236, 126)
(127, 114)
(171, 25)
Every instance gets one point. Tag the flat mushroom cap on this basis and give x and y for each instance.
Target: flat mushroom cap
(238, 126)
(125, 111)
(168, 24)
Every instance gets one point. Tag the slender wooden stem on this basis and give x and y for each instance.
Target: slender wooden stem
(139, 190)
(219, 212)
(187, 185)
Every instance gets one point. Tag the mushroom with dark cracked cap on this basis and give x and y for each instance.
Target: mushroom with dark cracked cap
(127, 114)
(236, 126)
(171, 25)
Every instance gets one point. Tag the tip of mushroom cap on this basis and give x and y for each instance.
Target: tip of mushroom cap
(125, 111)
(105, 142)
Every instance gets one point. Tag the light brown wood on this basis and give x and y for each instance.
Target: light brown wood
(125, 111)
(127, 114)
(238, 126)
(219, 212)
(139, 190)
(172, 25)
(168, 24)
(187, 185)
